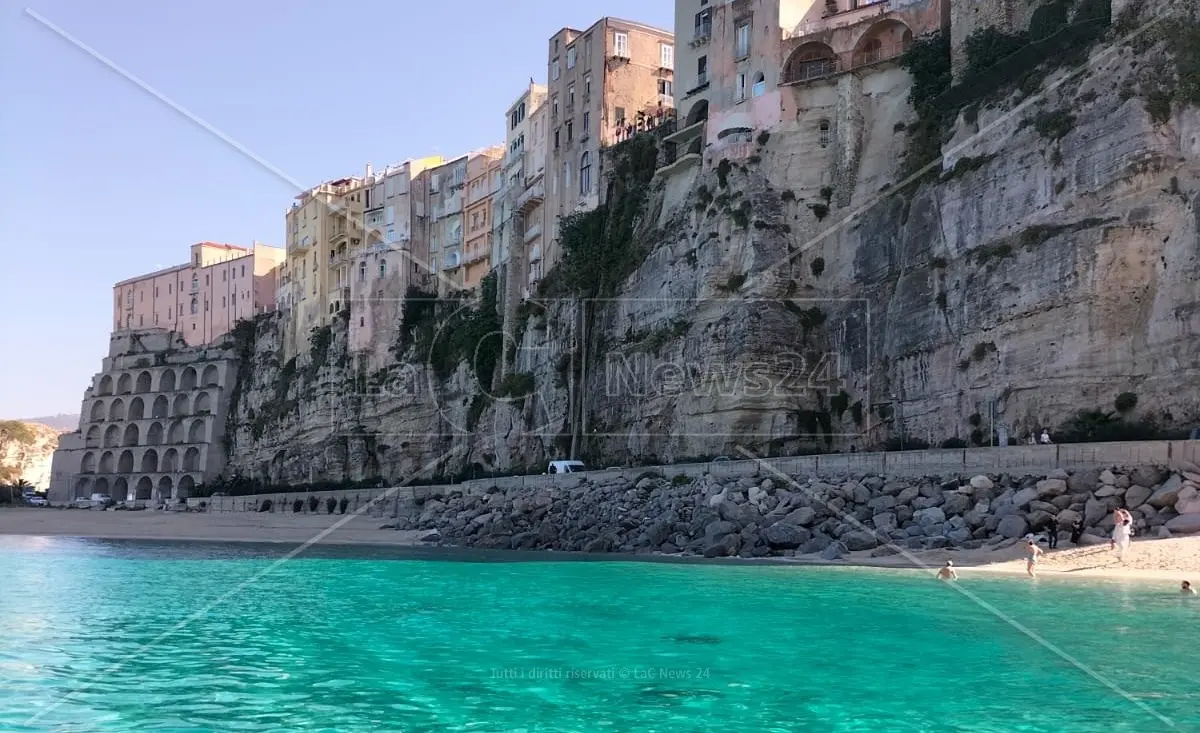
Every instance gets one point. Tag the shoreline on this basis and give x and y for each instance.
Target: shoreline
(1152, 560)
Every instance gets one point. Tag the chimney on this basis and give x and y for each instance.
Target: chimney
(370, 170)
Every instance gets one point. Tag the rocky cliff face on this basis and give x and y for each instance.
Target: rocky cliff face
(26, 450)
(795, 294)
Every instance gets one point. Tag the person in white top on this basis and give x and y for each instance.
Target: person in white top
(1045, 437)
(1121, 538)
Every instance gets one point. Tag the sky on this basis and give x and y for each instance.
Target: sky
(101, 181)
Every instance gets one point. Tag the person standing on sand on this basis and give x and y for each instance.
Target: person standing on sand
(1077, 531)
(1052, 535)
(1120, 519)
(947, 572)
(1121, 538)
(1187, 589)
(1031, 562)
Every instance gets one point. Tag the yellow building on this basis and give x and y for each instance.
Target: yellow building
(483, 184)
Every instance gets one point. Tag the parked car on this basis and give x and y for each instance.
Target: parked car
(83, 502)
(36, 500)
(556, 467)
(1195, 435)
(102, 501)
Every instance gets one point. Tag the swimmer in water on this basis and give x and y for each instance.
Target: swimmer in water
(947, 572)
(1187, 589)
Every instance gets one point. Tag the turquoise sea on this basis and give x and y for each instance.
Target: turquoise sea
(138, 636)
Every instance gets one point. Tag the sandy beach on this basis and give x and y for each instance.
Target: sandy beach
(1159, 560)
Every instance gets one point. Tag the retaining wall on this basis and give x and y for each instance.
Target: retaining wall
(1022, 459)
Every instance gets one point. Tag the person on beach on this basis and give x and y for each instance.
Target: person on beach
(1187, 589)
(947, 572)
(1077, 531)
(1120, 519)
(1031, 562)
(1045, 437)
(1121, 538)
(1052, 535)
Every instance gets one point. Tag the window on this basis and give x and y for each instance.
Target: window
(382, 268)
(666, 56)
(825, 132)
(701, 71)
(140, 320)
(621, 45)
(362, 271)
(554, 106)
(619, 116)
(179, 309)
(739, 88)
(243, 270)
(195, 306)
(741, 46)
(570, 131)
(224, 275)
(760, 85)
(703, 25)
(556, 139)
(587, 47)
(555, 72)
(587, 86)
(206, 305)
(168, 288)
(566, 177)
(665, 88)
(389, 216)
(570, 96)
(571, 58)
(155, 291)
(586, 117)
(196, 281)
(585, 174)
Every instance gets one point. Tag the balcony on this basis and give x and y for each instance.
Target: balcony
(531, 197)
(702, 35)
(700, 85)
(533, 232)
(813, 62)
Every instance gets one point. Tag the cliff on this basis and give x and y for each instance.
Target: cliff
(26, 450)
(953, 264)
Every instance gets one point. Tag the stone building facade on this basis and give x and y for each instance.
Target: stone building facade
(151, 426)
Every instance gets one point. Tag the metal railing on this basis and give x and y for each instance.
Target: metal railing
(810, 69)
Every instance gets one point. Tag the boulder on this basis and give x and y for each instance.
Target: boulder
(982, 483)
(432, 535)
(855, 541)
(1106, 490)
(1083, 481)
(1094, 511)
(1067, 517)
(1147, 476)
(1012, 526)
(884, 551)
(816, 544)
(1136, 495)
(959, 536)
(834, 551)
(785, 536)
(1167, 494)
(1107, 477)
(956, 504)
(1050, 488)
(1184, 524)
(882, 503)
(885, 521)
(1022, 498)
(930, 516)
(1188, 501)
(802, 517)
(907, 495)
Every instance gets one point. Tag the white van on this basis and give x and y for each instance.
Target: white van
(556, 467)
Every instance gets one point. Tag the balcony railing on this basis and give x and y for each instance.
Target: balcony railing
(702, 35)
(810, 69)
(533, 232)
(532, 196)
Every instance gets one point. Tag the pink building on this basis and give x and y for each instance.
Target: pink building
(202, 300)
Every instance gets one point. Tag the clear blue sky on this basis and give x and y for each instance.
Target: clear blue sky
(101, 181)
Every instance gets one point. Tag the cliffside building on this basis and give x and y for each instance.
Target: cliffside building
(483, 183)
(599, 80)
(201, 300)
(152, 421)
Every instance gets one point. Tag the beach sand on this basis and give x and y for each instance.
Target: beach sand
(1171, 560)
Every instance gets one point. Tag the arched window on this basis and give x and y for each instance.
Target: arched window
(585, 173)
(362, 271)
(760, 85)
(826, 133)
(195, 306)
(382, 268)
(195, 282)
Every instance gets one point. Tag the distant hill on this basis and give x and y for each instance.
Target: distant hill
(61, 422)
(26, 451)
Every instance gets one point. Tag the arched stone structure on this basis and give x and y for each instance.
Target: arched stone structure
(150, 461)
(886, 39)
(187, 380)
(144, 382)
(100, 486)
(203, 404)
(191, 459)
(120, 489)
(170, 461)
(186, 484)
(196, 431)
(98, 412)
(180, 406)
(124, 384)
(125, 462)
(105, 387)
(137, 409)
(116, 410)
(87, 464)
(163, 490)
(144, 489)
(212, 377)
(154, 434)
(107, 462)
(810, 61)
(132, 435)
(112, 436)
(82, 488)
(175, 433)
(698, 113)
(166, 381)
(93, 438)
(161, 407)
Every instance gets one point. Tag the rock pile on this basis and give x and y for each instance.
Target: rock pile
(752, 517)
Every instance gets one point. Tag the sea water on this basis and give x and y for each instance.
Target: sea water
(133, 636)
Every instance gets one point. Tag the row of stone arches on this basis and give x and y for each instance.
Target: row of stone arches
(884, 40)
(141, 488)
(169, 380)
(170, 460)
(175, 432)
(137, 408)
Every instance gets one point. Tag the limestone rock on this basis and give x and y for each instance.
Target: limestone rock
(1050, 488)
(1136, 495)
(834, 551)
(856, 541)
(1012, 526)
(786, 536)
(982, 483)
(1184, 524)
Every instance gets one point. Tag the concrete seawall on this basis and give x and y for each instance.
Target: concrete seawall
(1024, 459)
